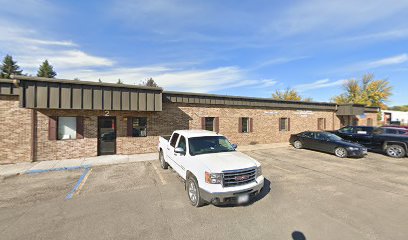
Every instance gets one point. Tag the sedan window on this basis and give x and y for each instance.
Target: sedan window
(320, 136)
(307, 135)
(346, 130)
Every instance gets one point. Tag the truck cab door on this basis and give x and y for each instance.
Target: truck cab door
(170, 149)
(363, 135)
(346, 133)
(180, 158)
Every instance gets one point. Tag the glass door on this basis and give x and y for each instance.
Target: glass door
(106, 135)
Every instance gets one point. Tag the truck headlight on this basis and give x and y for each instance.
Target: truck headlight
(258, 171)
(213, 178)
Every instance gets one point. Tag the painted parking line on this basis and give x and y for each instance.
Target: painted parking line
(36, 171)
(160, 175)
(286, 170)
(79, 184)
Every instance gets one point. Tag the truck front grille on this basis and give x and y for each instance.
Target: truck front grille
(238, 177)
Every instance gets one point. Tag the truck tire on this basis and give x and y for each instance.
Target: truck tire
(193, 192)
(340, 152)
(163, 162)
(395, 151)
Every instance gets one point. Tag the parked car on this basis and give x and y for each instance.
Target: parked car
(327, 142)
(214, 172)
(393, 145)
(395, 126)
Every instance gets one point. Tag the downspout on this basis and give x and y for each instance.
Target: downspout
(33, 134)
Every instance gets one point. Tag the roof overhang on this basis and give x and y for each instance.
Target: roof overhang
(212, 99)
(50, 93)
(8, 87)
(350, 110)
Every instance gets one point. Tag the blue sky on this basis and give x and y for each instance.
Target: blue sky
(247, 48)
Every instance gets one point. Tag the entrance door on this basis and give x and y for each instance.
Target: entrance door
(106, 135)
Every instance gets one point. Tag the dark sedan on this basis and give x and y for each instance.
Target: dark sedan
(327, 142)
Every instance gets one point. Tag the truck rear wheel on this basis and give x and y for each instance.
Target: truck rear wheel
(193, 192)
(163, 162)
(395, 151)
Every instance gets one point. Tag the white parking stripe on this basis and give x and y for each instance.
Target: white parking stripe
(160, 175)
(282, 169)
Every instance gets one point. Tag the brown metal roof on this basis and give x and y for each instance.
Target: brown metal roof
(7, 87)
(48, 93)
(212, 99)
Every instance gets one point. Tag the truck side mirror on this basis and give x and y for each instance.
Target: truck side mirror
(234, 146)
(179, 150)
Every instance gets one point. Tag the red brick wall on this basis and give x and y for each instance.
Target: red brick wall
(174, 116)
(15, 131)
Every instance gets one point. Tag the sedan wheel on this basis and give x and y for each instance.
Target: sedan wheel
(298, 144)
(395, 151)
(340, 152)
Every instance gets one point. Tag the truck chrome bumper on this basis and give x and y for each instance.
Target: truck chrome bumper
(230, 197)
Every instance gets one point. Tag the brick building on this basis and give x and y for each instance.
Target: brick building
(47, 119)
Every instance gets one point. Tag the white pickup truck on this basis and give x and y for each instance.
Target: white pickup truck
(214, 172)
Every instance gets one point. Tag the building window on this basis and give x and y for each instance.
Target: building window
(209, 123)
(139, 126)
(67, 128)
(245, 125)
(321, 123)
(284, 124)
(369, 122)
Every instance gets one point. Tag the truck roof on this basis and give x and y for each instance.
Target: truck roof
(196, 133)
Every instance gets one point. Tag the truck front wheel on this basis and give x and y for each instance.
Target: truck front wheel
(163, 162)
(193, 192)
(395, 151)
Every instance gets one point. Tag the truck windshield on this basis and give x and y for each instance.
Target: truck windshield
(210, 144)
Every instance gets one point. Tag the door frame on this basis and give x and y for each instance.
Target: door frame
(98, 136)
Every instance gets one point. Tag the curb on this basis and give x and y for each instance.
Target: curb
(9, 175)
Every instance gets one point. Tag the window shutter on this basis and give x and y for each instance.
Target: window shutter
(280, 124)
(288, 124)
(129, 127)
(216, 124)
(52, 128)
(251, 125)
(80, 127)
(240, 125)
(203, 123)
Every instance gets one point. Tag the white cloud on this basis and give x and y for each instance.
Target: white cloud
(328, 17)
(324, 83)
(398, 59)
(368, 65)
(63, 59)
(277, 61)
(197, 80)
(31, 50)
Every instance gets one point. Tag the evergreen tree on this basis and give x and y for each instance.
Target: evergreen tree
(119, 81)
(46, 70)
(150, 83)
(9, 67)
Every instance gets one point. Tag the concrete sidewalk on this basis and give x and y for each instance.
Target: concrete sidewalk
(21, 168)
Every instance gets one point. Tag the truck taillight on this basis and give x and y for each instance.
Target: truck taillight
(213, 178)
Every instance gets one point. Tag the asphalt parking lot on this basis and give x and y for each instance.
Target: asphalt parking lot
(308, 194)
